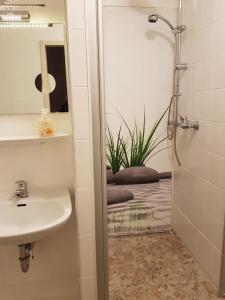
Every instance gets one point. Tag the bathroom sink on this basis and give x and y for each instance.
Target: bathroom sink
(33, 218)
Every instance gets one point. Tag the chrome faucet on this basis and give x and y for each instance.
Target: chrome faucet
(21, 191)
(186, 123)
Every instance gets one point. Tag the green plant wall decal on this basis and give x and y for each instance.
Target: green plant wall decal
(137, 148)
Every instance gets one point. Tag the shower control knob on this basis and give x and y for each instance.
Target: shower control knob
(185, 123)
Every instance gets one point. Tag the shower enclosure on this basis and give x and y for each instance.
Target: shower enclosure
(194, 185)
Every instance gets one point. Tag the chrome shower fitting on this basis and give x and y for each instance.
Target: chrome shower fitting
(179, 29)
(155, 17)
(181, 67)
(172, 123)
(186, 123)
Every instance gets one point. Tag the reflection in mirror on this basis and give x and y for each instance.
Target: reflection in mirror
(51, 84)
(53, 62)
(42, 52)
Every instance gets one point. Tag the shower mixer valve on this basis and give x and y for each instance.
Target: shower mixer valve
(186, 123)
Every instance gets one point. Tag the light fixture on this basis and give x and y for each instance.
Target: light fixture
(10, 18)
(14, 16)
(21, 5)
(24, 25)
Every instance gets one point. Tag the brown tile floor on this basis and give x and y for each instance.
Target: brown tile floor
(154, 267)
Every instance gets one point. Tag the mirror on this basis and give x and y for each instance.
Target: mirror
(33, 72)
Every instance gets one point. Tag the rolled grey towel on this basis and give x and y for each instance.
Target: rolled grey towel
(165, 175)
(115, 196)
(110, 177)
(136, 175)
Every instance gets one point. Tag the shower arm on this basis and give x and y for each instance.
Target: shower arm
(178, 29)
(166, 21)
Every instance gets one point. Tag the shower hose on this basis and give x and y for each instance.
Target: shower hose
(172, 124)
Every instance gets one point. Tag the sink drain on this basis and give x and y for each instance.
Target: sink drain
(25, 253)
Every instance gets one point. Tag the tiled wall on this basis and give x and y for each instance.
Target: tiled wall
(83, 147)
(199, 185)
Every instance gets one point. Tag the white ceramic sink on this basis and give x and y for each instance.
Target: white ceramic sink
(33, 218)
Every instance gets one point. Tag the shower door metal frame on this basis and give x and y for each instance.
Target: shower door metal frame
(222, 268)
(93, 11)
(96, 92)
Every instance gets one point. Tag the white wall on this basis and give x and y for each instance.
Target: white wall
(199, 186)
(138, 67)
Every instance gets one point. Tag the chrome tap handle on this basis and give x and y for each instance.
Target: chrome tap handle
(21, 190)
(21, 183)
(186, 123)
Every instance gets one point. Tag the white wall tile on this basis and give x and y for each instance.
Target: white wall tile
(78, 58)
(217, 142)
(220, 9)
(209, 12)
(81, 113)
(209, 258)
(218, 71)
(216, 166)
(87, 264)
(199, 100)
(196, 11)
(202, 46)
(82, 144)
(203, 139)
(88, 288)
(83, 166)
(76, 14)
(199, 208)
(218, 108)
(200, 163)
(215, 201)
(218, 39)
(85, 211)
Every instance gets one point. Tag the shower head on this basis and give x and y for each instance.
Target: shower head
(155, 17)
